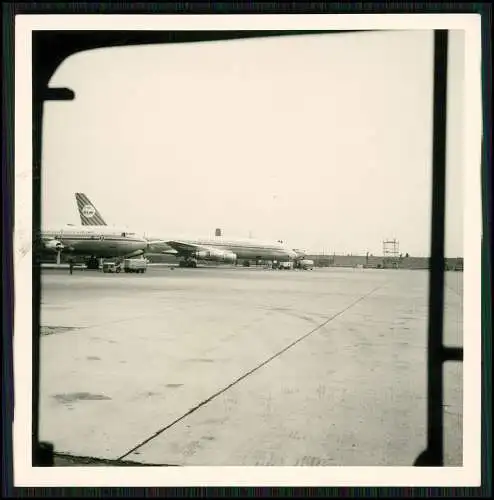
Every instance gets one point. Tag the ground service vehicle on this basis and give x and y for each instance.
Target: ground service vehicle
(305, 264)
(111, 267)
(135, 265)
(284, 265)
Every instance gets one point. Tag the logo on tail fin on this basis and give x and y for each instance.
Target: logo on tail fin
(88, 212)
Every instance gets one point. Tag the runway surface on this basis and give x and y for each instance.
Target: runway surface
(219, 366)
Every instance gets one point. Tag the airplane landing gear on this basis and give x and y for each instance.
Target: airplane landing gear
(92, 263)
(187, 263)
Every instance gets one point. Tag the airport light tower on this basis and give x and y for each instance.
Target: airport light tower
(391, 252)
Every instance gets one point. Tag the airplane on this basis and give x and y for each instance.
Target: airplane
(93, 239)
(92, 242)
(191, 250)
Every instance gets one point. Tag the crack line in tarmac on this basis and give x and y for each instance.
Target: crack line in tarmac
(250, 372)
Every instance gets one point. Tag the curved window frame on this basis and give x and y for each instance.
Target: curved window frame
(50, 49)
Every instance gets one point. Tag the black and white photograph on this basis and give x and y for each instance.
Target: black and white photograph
(235, 242)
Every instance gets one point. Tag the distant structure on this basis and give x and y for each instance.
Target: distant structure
(217, 232)
(391, 253)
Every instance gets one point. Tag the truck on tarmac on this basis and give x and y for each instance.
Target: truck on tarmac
(284, 265)
(110, 267)
(135, 265)
(306, 264)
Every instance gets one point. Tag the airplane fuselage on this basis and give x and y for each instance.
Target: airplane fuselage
(96, 241)
(245, 250)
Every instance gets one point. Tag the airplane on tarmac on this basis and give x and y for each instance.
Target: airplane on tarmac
(191, 250)
(94, 242)
(94, 239)
(229, 251)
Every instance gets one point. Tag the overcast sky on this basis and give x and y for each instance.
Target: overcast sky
(322, 141)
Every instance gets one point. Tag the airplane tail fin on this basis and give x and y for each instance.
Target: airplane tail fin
(88, 212)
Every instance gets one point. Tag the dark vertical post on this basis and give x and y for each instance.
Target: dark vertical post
(37, 111)
(433, 455)
(42, 70)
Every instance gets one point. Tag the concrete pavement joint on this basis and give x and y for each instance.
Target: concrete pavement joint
(250, 372)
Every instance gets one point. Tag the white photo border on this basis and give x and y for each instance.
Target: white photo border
(27, 476)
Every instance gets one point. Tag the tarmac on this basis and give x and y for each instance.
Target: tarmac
(243, 367)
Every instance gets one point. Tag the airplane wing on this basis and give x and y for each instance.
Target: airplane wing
(188, 248)
(201, 251)
(160, 246)
(177, 246)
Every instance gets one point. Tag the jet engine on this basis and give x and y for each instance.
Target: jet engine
(202, 254)
(230, 257)
(218, 255)
(54, 245)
